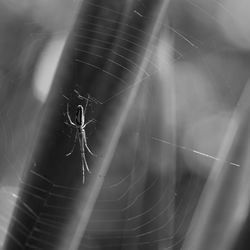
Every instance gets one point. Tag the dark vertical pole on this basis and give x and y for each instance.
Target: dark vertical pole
(107, 37)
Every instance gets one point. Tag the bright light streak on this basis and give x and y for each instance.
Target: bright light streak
(46, 67)
(226, 193)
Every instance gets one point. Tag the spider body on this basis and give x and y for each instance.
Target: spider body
(80, 114)
(80, 125)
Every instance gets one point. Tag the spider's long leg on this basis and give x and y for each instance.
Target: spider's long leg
(70, 121)
(83, 173)
(83, 178)
(73, 146)
(86, 145)
(86, 105)
(82, 149)
(69, 124)
(92, 120)
(84, 162)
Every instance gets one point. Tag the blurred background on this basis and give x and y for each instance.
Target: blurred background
(179, 177)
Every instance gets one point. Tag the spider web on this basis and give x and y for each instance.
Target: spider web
(148, 197)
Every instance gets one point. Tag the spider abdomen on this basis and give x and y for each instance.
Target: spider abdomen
(79, 119)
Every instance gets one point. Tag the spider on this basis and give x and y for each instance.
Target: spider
(80, 125)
